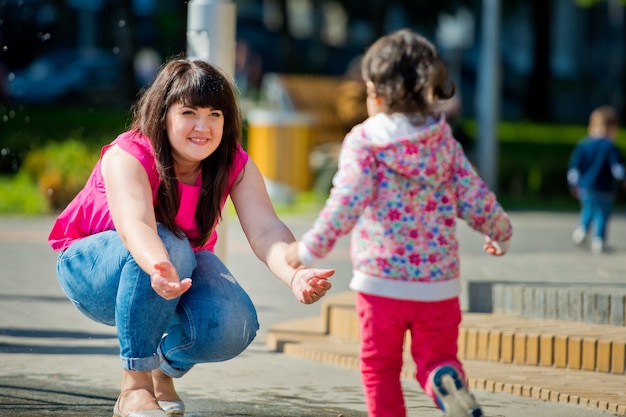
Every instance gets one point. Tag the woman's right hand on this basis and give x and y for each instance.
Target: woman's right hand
(292, 257)
(166, 282)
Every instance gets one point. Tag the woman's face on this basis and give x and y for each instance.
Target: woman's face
(194, 132)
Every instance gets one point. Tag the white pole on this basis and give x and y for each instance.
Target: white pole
(489, 93)
(211, 33)
(211, 38)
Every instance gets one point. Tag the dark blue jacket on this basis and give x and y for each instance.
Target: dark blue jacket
(595, 163)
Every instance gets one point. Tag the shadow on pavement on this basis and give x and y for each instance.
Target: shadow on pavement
(30, 397)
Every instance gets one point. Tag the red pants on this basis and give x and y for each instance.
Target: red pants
(434, 329)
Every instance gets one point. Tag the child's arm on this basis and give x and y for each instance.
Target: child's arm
(617, 165)
(352, 191)
(573, 173)
(478, 206)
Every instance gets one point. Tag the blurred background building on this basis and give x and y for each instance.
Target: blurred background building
(559, 58)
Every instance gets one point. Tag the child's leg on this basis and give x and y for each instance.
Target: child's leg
(382, 336)
(579, 236)
(603, 209)
(586, 213)
(434, 334)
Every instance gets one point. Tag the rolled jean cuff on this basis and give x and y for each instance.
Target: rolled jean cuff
(168, 370)
(140, 364)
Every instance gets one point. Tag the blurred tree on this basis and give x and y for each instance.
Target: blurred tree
(426, 13)
(606, 26)
(124, 35)
(423, 13)
(537, 101)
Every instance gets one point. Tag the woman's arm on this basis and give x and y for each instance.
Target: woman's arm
(129, 197)
(269, 237)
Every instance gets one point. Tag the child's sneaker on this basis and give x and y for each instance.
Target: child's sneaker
(452, 395)
(579, 236)
(597, 245)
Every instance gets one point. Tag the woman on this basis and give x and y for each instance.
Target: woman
(137, 242)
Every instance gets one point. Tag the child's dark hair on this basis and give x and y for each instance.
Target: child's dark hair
(407, 72)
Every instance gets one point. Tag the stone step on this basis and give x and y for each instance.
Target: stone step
(510, 339)
(600, 304)
(570, 362)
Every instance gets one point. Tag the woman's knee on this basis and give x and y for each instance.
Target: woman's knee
(180, 251)
(224, 341)
(88, 275)
(222, 315)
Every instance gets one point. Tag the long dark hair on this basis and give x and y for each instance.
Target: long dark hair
(406, 69)
(199, 84)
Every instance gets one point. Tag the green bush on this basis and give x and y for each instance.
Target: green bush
(60, 170)
(25, 128)
(48, 153)
(20, 195)
(532, 163)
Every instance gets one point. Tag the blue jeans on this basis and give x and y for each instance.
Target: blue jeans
(596, 207)
(213, 321)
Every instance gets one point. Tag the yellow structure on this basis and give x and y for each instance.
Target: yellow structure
(279, 142)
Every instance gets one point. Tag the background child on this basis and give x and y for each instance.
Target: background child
(594, 167)
(402, 181)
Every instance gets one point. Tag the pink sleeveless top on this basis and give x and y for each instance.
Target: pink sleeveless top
(88, 213)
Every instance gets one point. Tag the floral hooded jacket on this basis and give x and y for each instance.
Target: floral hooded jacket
(399, 189)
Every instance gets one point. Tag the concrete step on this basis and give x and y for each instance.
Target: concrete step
(599, 304)
(568, 362)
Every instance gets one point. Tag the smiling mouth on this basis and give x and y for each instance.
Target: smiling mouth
(198, 140)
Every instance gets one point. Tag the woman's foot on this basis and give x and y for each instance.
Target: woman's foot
(141, 413)
(137, 394)
(164, 386)
(173, 408)
(166, 394)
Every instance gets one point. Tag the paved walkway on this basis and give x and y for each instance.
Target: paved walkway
(53, 361)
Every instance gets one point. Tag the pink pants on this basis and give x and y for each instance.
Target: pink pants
(434, 329)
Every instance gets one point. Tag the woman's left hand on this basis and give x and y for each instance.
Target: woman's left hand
(309, 285)
(166, 282)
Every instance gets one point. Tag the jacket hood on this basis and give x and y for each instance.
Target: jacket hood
(417, 151)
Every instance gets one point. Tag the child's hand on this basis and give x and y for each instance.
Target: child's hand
(291, 256)
(496, 248)
(309, 285)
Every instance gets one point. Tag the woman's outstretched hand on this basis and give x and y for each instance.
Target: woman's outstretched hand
(309, 285)
(292, 255)
(166, 282)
